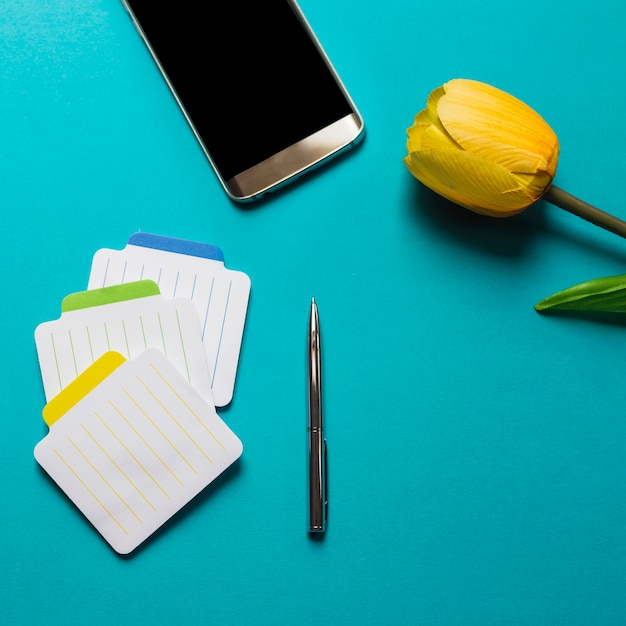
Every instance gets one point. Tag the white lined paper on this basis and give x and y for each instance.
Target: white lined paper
(136, 449)
(68, 345)
(220, 296)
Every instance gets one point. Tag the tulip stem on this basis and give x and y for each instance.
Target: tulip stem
(557, 196)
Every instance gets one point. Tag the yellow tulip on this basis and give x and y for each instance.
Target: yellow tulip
(489, 152)
(482, 148)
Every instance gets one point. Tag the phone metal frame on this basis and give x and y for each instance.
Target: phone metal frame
(289, 164)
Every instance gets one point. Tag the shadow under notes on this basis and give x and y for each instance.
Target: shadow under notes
(200, 500)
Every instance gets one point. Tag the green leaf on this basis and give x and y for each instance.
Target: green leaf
(600, 294)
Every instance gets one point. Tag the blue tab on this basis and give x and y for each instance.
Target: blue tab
(181, 246)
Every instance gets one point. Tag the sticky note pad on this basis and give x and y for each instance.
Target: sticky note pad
(132, 442)
(196, 271)
(129, 319)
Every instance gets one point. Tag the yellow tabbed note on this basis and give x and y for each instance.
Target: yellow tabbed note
(131, 442)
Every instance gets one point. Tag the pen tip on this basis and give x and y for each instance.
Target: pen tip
(312, 300)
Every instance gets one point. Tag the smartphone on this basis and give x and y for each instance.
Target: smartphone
(255, 85)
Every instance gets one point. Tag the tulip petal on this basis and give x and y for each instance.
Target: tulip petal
(425, 120)
(535, 184)
(428, 137)
(494, 125)
(470, 181)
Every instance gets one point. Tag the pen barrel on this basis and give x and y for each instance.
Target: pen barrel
(315, 375)
(317, 445)
(317, 483)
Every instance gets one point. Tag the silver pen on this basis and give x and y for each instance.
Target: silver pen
(318, 497)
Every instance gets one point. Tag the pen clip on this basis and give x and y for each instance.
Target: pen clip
(325, 504)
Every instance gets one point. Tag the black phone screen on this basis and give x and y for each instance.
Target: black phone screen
(247, 72)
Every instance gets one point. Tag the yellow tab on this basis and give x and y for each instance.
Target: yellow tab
(81, 386)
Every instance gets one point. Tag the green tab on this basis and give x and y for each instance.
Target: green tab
(108, 295)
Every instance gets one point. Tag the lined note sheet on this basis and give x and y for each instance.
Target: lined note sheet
(130, 443)
(192, 270)
(128, 319)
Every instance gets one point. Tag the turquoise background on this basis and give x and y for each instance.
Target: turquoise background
(477, 448)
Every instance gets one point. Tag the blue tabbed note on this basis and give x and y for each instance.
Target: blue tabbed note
(179, 246)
